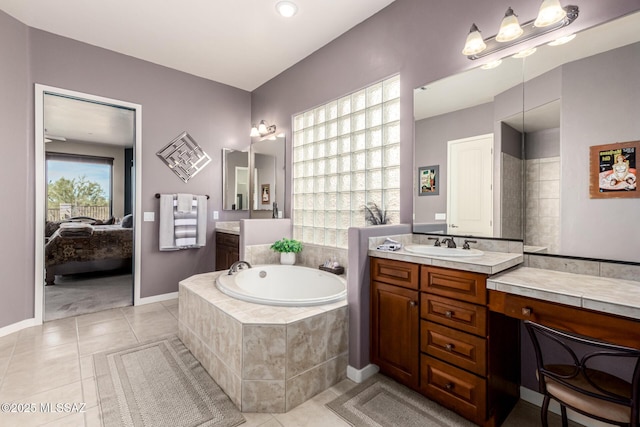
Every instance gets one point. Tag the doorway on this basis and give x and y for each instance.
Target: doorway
(470, 186)
(87, 197)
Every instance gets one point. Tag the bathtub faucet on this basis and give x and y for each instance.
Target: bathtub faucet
(238, 265)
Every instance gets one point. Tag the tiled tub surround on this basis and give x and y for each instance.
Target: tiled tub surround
(265, 358)
(499, 255)
(311, 256)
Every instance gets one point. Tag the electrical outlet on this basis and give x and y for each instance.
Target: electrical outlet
(441, 216)
(216, 215)
(149, 216)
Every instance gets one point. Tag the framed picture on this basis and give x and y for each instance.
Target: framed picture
(613, 170)
(429, 180)
(266, 194)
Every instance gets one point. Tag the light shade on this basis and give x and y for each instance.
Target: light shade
(562, 40)
(254, 131)
(510, 28)
(286, 8)
(525, 53)
(474, 43)
(262, 127)
(550, 12)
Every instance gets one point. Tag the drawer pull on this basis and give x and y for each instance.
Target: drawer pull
(449, 386)
(526, 311)
(448, 314)
(413, 303)
(449, 347)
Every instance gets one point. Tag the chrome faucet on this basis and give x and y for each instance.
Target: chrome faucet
(237, 266)
(466, 244)
(449, 241)
(437, 240)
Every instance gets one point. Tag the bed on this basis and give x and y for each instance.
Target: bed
(105, 247)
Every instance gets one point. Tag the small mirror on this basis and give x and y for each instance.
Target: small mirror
(267, 180)
(235, 180)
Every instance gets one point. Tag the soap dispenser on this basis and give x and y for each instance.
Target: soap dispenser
(275, 210)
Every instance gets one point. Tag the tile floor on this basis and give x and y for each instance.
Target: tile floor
(53, 363)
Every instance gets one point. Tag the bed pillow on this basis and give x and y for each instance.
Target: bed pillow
(127, 221)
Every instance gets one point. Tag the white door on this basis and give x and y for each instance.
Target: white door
(470, 186)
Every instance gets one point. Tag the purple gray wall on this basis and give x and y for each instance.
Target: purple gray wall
(421, 40)
(600, 105)
(16, 191)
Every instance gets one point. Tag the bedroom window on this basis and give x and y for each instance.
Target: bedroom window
(346, 155)
(78, 185)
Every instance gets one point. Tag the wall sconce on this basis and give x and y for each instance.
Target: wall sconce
(263, 131)
(551, 16)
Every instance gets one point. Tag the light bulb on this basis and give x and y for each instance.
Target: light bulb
(510, 28)
(550, 12)
(286, 8)
(474, 43)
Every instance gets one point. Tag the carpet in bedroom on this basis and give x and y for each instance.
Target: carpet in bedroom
(86, 293)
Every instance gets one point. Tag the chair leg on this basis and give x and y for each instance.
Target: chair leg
(544, 411)
(563, 411)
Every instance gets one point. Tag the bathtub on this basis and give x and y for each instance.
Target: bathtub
(283, 285)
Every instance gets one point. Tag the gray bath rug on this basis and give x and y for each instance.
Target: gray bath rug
(381, 402)
(160, 383)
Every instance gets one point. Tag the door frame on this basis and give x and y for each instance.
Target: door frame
(40, 188)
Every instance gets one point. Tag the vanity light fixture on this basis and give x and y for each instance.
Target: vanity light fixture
(510, 28)
(512, 33)
(263, 131)
(286, 8)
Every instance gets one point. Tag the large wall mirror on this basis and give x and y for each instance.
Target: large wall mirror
(542, 113)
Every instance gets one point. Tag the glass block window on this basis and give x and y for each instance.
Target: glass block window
(346, 154)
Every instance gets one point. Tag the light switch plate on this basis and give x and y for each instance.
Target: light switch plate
(216, 215)
(441, 216)
(149, 216)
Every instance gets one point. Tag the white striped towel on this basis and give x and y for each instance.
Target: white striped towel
(182, 230)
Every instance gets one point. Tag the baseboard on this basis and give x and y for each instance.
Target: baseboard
(536, 398)
(360, 375)
(15, 327)
(156, 298)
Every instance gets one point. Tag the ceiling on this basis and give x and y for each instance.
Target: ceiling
(241, 43)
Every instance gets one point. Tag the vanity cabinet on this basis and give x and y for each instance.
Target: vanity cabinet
(395, 320)
(449, 347)
(227, 250)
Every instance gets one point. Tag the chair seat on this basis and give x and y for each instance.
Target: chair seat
(598, 407)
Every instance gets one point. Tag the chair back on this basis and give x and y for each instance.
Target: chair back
(587, 366)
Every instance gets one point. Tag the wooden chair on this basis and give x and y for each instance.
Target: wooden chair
(597, 379)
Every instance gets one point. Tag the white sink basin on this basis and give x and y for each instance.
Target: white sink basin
(442, 251)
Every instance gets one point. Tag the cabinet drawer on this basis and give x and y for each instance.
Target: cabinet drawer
(454, 388)
(456, 314)
(462, 285)
(227, 239)
(458, 348)
(394, 272)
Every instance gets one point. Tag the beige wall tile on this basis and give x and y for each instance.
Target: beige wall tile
(264, 352)
(263, 396)
(336, 369)
(302, 387)
(337, 332)
(306, 344)
(564, 264)
(620, 271)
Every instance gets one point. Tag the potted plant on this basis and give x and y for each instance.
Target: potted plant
(288, 249)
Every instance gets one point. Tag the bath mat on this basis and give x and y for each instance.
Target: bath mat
(160, 383)
(381, 402)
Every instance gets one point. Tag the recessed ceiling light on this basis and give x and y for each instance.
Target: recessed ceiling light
(562, 40)
(525, 53)
(286, 8)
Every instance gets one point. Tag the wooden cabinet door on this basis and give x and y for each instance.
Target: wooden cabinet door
(394, 332)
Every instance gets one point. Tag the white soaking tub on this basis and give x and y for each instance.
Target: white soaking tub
(283, 285)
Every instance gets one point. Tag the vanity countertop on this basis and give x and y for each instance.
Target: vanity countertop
(231, 227)
(489, 263)
(614, 296)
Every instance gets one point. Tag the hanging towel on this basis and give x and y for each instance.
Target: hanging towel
(182, 230)
(185, 202)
